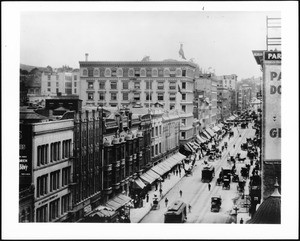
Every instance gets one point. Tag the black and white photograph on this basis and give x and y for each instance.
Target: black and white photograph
(150, 120)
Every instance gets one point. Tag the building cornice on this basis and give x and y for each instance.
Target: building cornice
(136, 63)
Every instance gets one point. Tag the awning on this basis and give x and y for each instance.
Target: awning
(216, 128)
(118, 201)
(206, 135)
(166, 165)
(150, 176)
(197, 145)
(138, 183)
(210, 132)
(200, 139)
(231, 118)
(161, 170)
(187, 148)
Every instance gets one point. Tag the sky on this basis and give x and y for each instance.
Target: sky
(222, 41)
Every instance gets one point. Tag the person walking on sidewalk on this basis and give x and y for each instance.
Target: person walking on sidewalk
(190, 208)
(241, 221)
(209, 186)
(156, 185)
(160, 192)
(147, 198)
(180, 193)
(166, 202)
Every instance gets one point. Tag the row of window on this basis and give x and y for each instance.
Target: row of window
(137, 85)
(55, 152)
(55, 210)
(156, 131)
(95, 72)
(157, 150)
(136, 96)
(42, 181)
(67, 77)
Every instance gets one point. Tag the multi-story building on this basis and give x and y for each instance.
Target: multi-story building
(171, 125)
(244, 97)
(49, 164)
(111, 149)
(228, 81)
(127, 83)
(224, 102)
(66, 83)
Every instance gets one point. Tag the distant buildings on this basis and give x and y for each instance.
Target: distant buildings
(65, 83)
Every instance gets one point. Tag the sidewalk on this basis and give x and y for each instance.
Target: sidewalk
(137, 214)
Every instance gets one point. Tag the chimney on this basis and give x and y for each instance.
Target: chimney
(86, 57)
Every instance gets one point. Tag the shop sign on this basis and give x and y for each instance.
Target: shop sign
(25, 155)
(272, 110)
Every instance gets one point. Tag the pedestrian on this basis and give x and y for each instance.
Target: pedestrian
(209, 186)
(179, 173)
(156, 185)
(160, 192)
(241, 221)
(166, 202)
(233, 146)
(180, 193)
(147, 198)
(190, 208)
(176, 172)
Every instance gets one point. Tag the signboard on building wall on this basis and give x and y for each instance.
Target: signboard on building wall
(25, 155)
(272, 106)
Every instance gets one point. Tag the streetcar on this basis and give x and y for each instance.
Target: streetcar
(176, 213)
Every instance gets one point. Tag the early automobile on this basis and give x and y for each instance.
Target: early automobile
(216, 202)
(226, 182)
(208, 173)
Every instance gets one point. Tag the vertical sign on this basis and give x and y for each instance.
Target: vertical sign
(25, 155)
(272, 104)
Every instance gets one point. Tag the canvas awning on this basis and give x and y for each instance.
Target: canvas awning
(187, 147)
(138, 183)
(205, 135)
(150, 176)
(210, 132)
(118, 201)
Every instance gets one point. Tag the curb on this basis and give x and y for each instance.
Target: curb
(161, 198)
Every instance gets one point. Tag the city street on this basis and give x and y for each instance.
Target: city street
(196, 193)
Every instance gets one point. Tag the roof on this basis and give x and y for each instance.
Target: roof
(31, 115)
(269, 212)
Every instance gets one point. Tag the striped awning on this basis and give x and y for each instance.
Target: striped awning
(138, 183)
(188, 147)
(166, 165)
(210, 132)
(200, 139)
(149, 177)
(205, 135)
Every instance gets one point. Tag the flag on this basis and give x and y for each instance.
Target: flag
(179, 90)
(181, 53)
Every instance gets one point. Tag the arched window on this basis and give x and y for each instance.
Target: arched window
(166, 72)
(96, 72)
(84, 72)
(119, 72)
(107, 72)
(143, 72)
(154, 72)
(178, 72)
(131, 73)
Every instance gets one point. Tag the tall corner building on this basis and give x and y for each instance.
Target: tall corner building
(126, 83)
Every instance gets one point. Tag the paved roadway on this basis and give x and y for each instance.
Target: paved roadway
(197, 194)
